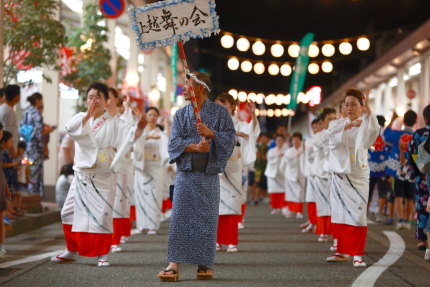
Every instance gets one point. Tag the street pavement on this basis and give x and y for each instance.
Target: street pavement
(272, 252)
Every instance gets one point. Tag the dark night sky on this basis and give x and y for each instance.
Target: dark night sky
(289, 20)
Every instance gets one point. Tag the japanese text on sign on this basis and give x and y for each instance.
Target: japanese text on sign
(166, 22)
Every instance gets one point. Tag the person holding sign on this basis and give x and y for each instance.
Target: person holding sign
(87, 212)
(201, 151)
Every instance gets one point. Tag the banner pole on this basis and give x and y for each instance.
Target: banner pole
(187, 72)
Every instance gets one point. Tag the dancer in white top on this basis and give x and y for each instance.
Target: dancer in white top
(321, 183)
(87, 212)
(310, 192)
(292, 164)
(232, 194)
(349, 141)
(150, 158)
(275, 175)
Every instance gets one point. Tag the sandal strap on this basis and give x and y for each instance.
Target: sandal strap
(203, 268)
(170, 270)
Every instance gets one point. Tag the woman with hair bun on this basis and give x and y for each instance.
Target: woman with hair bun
(349, 141)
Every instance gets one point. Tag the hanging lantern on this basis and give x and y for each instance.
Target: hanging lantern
(279, 99)
(246, 66)
(242, 96)
(270, 113)
(277, 50)
(313, 51)
(227, 41)
(287, 99)
(259, 68)
(327, 67)
(345, 48)
(328, 50)
(242, 44)
(313, 68)
(286, 70)
(233, 64)
(258, 48)
(363, 44)
(252, 97)
(278, 113)
(294, 50)
(260, 99)
(233, 93)
(273, 69)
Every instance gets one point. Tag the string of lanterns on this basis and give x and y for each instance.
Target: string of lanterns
(312, 97)
(274, 112)
(275, 68)
(277, 49)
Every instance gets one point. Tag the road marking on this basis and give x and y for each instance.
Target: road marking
(371, 274)
(30, 258)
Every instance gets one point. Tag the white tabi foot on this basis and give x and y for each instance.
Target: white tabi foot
(66, 256)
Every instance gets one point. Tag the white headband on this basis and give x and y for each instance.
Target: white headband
(194, 77)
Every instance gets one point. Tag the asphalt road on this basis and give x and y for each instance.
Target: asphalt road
(272, 252)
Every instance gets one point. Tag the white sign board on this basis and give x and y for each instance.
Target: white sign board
(165, 22)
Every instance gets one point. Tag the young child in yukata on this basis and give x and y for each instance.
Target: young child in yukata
(4, 196)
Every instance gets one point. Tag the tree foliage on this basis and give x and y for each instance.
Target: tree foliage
(32, 36)
(91, 57)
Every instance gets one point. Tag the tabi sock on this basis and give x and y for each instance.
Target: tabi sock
(104, 258)
(68, 254)
(356, 257)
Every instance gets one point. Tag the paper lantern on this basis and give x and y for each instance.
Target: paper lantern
(294, 50)
(313, 68)
(270, 99)
(258, 48)
(278, 113)
(328, 50)
(259, 68)
(260, 99)
(279, 99)
(233, 93)
(345, 48)
(313, 51)
(285, 112)
(286, 70)
(327, 67)
(270, 113)
(273, 69)
(242, 96)
(246, 66)
(233, 64)
(242, 44)
(227, 41)
(363, 44)
(277, 50)
(287, 99)
(257, 112)
(252, 97)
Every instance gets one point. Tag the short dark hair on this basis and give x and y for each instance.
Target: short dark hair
(35, 96)
(12, 91)
(227, 97)
(315, 121)
(153, 108)
(298, 135)
(1, 126)
(99, 87)
(410, 118)
(6, 136)
(67, 169)
(381, 120)
(326, 112)
(359, 95)
(426, 114)
(22, 144)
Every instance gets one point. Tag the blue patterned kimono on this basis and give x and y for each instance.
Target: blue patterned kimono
(194, 221)
(34, 150)
(422, 195)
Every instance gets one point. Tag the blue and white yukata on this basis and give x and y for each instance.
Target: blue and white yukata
(194, 221)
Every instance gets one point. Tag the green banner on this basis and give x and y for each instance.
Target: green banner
(173, 61)
(300, 70)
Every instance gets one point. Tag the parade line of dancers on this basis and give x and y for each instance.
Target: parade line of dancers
(124, 164)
